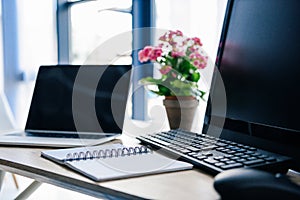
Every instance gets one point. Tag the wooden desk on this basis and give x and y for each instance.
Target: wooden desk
(190, 184)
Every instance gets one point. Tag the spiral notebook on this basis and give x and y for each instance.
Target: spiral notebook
(115, 161)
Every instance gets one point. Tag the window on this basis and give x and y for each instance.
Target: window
(29, 40)
(95, 23)
(37, 36)
(70, 31)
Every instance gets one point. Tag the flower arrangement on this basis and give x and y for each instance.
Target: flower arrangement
(181, 59)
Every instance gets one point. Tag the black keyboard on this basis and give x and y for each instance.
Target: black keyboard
(214, 154)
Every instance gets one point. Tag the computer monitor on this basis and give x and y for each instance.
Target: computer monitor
(259, 64)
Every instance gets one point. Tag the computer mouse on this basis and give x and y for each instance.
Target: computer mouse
(251, 184)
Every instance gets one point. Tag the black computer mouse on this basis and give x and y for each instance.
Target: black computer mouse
(255, 184)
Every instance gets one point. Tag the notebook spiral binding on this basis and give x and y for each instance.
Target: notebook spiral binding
(107, 153)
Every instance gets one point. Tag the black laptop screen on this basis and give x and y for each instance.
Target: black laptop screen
(80, 98)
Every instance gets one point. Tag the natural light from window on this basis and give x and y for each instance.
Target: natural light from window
(96, 22)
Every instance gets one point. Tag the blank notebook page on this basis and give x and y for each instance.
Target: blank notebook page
(101, 169)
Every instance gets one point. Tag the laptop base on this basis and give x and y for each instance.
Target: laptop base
(21, 139)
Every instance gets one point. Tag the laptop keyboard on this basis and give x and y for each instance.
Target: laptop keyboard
(214, 154)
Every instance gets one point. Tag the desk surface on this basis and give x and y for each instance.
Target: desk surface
(190, 184)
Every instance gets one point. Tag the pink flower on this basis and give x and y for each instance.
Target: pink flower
(179, 33)
(195, 55)
(176, 54)
(200, 62)
(149, 53)
(171, 33)
(163, 37)
(143, 57)
(155, 53)
(193, 48)
(197, 41)
(165, 69)
(144, 54)
(202, 65)
(196, 63)
(172, 43)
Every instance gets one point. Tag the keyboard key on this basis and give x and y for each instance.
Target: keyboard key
(226, 150)
(241, 160)
(231, 152)
(201, 157)
(218, 157)
(220, 148)
(262, 156)
(270, 159)
(241, 150)
(192, 148)
(198, 146)
(238, 154)
(210, 160)
(220, 144)
(224, 159)
(192, 153)
(211, 147)
(253, 162)
(184, 151)
(230, 162)
(230, 147)
(219, 164)
(245, 156)
(251, 158)
(208, 153)
(230, 166)
(234, 148)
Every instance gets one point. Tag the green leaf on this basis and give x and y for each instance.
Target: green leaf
(150, 81)
(164, 90)
(195, 77)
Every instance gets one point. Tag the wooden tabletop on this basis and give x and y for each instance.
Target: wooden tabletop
(189, 184)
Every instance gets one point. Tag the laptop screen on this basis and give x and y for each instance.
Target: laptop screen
(77, 98)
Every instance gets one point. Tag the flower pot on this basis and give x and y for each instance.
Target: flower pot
(181, 111)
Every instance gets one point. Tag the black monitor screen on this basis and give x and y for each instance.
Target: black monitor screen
(259, 63)
(80, 98)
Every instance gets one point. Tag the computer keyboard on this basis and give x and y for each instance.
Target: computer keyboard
(214, 154)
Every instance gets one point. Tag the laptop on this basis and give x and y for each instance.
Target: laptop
(75, 105)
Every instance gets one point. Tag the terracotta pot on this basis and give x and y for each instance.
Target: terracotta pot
(181, 111)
